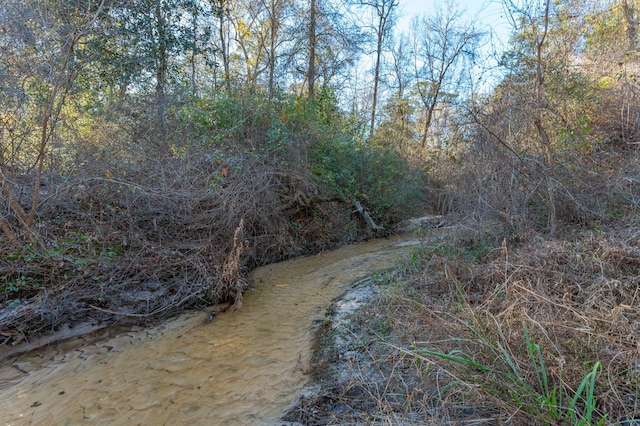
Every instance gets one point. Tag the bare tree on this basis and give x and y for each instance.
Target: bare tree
(631, 16)
(222, 10)
(385, 13)
(541, 33)
(441, 45)
(276, 10)
(399, 109)
(401, 65)
(311, 69)
(532, 19)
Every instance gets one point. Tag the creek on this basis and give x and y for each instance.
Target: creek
(246, 366)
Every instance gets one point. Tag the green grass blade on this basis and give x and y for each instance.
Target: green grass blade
(588, 386)
(509, 360)
(451, 356)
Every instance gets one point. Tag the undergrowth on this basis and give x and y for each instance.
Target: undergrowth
(475, 331)
(545, 333)
(130, 232)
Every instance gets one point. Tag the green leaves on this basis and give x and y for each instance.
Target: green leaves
(376, 176)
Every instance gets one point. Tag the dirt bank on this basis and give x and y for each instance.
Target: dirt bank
(350, 374)
(246, 365)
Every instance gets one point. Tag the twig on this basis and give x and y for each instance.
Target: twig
(163, 308)
(125, 314)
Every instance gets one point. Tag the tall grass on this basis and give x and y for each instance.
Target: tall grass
(543, 398)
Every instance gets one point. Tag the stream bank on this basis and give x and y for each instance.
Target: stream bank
(470, 330)
(245, 366)
(353, 368)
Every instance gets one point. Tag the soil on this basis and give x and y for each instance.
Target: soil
(344, 370)
(348, 372)
(360, 376)
(326, 276)
(82, 308)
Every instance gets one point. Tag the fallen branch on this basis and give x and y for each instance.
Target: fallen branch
(154, 312)
(367, 218)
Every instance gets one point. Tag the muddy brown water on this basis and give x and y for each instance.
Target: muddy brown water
(243, 367)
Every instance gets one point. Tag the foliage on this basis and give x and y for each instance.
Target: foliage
(378, 177)
(169, 146)
(240, 185)
(247, 121)
(346, 168)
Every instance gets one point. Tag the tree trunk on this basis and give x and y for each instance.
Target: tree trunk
(161, 64)
(223, 47)
(367, 218)
(194, 49)
(428, 119)
(311, 72)
(631, 17)
(552, 222)
(376, 75)
(384, 10)
(273, 32)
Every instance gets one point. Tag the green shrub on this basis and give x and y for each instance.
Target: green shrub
(377, 177)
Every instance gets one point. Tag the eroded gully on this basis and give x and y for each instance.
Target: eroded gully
(243, 367)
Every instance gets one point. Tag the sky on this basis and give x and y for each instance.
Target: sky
(489, 17)
(489, 13)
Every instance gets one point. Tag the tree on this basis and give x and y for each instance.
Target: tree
(400, 108)
(311, 69)
(441, 46)
(542, 110)
(331, 44)
(539, 32)
(385, 13)
(260, 33)
(40, 55)
(611, 58)
(221, 9)
(631, 16)
(277, 12)
(152, 44)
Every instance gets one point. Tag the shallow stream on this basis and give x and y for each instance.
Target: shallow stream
(243, 367)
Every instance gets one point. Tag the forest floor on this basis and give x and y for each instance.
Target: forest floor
(122, 255)
(541, 331)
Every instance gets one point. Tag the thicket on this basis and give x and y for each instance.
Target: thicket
(554, 144)
(152, 153)
(137, 183)
(467, 330)
(530, 318)
(134, 224)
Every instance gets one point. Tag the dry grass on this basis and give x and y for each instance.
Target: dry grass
(469, 335)
(577, 300)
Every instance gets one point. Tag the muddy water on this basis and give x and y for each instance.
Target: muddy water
(244, 367)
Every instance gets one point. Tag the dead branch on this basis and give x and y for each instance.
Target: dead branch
(367, 218)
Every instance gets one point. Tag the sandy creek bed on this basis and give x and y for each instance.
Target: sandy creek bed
(243, 367)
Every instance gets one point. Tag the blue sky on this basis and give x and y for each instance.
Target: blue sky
(489, 17)
(489, 13)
